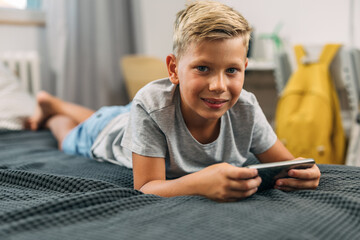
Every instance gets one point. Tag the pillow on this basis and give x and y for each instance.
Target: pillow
(16, 104)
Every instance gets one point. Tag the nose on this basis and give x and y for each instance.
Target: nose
(218, 84)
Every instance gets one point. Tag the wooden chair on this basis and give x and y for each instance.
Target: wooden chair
(139, 70)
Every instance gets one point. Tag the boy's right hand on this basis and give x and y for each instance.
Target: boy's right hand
(226, 183)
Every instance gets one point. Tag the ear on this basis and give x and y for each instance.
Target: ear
(172, 68)
(246, 62)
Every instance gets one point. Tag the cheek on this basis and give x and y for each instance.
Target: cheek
(236, 88)
(193, 84)
(190, 91)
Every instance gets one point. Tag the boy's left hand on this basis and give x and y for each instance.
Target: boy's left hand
(300, 179)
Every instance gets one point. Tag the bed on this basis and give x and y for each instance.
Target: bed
(46, 194)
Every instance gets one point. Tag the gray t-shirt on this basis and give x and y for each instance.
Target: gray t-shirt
(156, 128)
(106, 146)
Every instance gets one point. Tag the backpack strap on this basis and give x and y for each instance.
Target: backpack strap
(329, 53)
(299, 53)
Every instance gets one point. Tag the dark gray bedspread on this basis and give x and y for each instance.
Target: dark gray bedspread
(46, 194)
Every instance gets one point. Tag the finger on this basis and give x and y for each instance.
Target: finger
(238, 195)
(308, 173)
(286, 189)
(296, 183)
(241, 173)
(245, 185)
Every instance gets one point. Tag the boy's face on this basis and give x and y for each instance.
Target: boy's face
(210, 75)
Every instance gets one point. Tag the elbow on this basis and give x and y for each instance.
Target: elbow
(144, 187)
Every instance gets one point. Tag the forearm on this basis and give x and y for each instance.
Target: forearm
(171, 188)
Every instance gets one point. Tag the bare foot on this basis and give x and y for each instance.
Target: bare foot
(46, 107)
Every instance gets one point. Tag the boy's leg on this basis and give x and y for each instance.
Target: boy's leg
(49, 106)
(60, 126)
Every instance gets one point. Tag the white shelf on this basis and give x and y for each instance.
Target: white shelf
(260, 65)
(22, 17)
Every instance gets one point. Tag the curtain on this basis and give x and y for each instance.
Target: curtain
(85, 41)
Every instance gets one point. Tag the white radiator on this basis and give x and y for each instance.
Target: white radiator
(26, 66)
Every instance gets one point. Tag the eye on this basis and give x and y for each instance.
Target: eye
(231, 70)
(202, 68)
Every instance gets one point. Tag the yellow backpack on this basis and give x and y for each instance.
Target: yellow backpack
(308, 119)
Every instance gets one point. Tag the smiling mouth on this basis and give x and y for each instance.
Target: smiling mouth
(214, 103)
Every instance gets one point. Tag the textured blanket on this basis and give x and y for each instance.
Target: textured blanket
(46, 194)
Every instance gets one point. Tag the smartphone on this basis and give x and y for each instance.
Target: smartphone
(270, 172)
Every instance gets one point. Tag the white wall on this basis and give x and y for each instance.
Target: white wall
(304, 21)
(18, 38)
(154, 25)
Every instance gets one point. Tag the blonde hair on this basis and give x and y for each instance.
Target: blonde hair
(208, 20)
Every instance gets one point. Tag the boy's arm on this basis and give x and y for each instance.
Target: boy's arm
(278, 152)
(300, 178)
(220, 182)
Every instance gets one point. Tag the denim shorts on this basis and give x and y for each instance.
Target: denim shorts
(80, 139)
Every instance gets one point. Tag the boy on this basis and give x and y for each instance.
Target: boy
(190, 134)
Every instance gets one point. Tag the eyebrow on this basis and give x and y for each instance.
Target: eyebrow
(206, 62)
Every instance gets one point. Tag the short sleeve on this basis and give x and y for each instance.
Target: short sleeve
(263, 135)
(142, 135)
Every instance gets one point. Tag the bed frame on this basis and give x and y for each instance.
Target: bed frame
(26, 66)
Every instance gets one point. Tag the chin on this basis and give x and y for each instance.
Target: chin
(212, 116)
